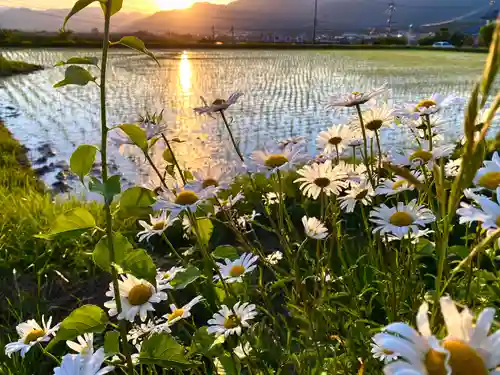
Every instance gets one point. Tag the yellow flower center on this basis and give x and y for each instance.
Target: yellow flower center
(166, 276)
(187, 197)
(210, 182)
(139, 294)
(232, 321)
(388, 352)
(176, 314)
(425, 104)
(497, 222)
(34, 335)
(361, 195)
(237, 271)
(490, 180)
(398, 184)
(275, 160)
(401, 219)
(421, 155)
(322, 182)
(356, 93)
(159, 225)
(335, 140)
(464, 360)
(374, 125)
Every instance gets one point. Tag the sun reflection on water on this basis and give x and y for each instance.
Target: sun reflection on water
(185, 74)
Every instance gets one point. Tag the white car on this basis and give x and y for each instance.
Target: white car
(443, 45)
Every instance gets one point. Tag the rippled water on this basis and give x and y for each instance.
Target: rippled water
(285, 95)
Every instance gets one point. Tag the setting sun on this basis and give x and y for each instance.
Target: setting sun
(174, 4)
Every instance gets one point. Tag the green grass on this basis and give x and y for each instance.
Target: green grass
(8, 68)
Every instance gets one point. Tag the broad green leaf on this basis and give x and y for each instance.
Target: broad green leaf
(167, 156)
(116, 6)
(461, 251)
(85, 319)
(225, 252)
(139, 263)
(75, 75)
(183, 279)
(79, 61)
(206, 344)
(75, 220)
(111, 343)
(79, 5)
(121, 248)
(161, 349)
(82, 159)
(137, 197)
(205, 229)
(136, 135)
(108, 190)
(230, 364)
(137, 44)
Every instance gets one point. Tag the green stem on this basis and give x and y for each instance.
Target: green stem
(377, 137)
(174, 158)
(158, 173)
(235, 145)
(429, 130)
(104, 175)
(365, 145)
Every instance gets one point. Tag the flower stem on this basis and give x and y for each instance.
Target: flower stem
(377, 137)
(237, 149)
(174, 158)
(104, 175)
(429, 130)
(365, 145)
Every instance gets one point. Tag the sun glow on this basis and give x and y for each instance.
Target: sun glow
(174, 4)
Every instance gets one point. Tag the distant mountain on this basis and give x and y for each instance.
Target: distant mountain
(52, 19)
(260, 16)
(297, 15)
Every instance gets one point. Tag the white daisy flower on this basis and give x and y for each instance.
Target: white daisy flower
(334, 139)
(76, 364)
(137, 298)
(31, 333)
(165, 277)
(428, 106)
(452, 167)
(274, 258)
(314, 228)
(85, 344)
(233, 271)
(320, 178)
(413, 236)
(418, 349)
(397, 184)
(401, 219)
(218, 176)
(183, 199)
(377, 118)
(489, 175)
(229, 202)
(181, 313)
(275, 159)
(488, 214)
(218, 105)
(231, 321)
(471, 350)
(382, 354)
(244, 222)
(420, 156)
(362, 192)
(355, 98)
(272, 198)
(186, 227)
(158, 225)
(139, 331)
(242, 350)
(355, 173)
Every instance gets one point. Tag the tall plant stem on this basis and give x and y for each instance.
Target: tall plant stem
(158, 173)
(379, 167)
(174, 158)
(429, 130)
(237, 149)
(104, 175)
(365, 145)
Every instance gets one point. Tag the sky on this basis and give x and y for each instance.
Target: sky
(148, 6)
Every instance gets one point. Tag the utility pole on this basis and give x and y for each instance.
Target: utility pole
(390, 12)
(213, 33)
(232, 33)
(315, 23)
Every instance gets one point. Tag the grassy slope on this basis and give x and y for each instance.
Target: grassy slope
(8, 68)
